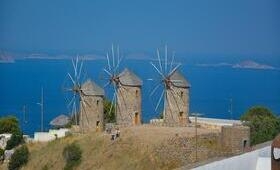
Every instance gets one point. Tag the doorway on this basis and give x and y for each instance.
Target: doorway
(136, 118)
(181, 117)
(97, 125)
(245, 144)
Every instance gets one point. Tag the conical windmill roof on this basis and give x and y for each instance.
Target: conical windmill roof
(90, 88)
(128, 78)
(179, 80)
(60, 121)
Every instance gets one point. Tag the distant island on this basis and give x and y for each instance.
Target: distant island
(252, 65)
(12, 56)
(223, 64)
(247, 64)
(6, 59)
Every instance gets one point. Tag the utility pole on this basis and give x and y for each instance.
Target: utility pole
(42, 109)
(196, 137)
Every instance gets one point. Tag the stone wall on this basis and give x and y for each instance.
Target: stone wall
(235, 139)
(210, 126)
(92, 113)
(182, 149)
(128, 109)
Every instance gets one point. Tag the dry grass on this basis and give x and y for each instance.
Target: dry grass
(142, 147)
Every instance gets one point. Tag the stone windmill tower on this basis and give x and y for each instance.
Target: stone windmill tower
(127, 91)
(176, 109)
(91, 107)
(129, 99)
(86, 101)
(175, 92)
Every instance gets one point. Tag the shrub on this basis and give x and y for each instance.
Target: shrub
(19, 158)
(264, 125)
(257, 112)
(161, 116)
(9, 124)
(72, 154)
(109, 117)
(15, 140)
(45, 167)
(1, 154)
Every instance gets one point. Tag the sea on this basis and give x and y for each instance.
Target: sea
(216, 91)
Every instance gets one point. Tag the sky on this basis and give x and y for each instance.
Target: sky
(225, 27)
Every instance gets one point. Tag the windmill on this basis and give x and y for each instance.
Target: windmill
(77, 102)
(126, 90)
(175, 90)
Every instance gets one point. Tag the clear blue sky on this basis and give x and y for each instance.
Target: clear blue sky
(242, 27)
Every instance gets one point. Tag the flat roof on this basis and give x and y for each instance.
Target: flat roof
(218, 122)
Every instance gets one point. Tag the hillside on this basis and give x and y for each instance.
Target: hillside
(142, 147)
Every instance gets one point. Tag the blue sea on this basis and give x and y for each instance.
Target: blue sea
(210, 94)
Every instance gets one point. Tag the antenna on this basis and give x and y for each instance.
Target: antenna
(42, 109)
(24, 113)
(230, 108)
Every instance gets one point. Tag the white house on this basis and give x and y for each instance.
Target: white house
(51, 135)
(4, 139)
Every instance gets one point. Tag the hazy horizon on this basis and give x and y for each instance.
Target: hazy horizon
(238, 28)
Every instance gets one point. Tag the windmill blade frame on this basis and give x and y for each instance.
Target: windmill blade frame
(170, 107)
(167, 82)
(112, 71)
(83, 105)
(123, 99)
(77, 92)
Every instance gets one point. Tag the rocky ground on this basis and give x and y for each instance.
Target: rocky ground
(141, 147)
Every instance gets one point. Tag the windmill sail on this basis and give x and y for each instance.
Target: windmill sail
(175, 90)
(126, 93)
(76, 103)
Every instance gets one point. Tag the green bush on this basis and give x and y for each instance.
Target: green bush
(72, 154)
(9, 124)
(109, 117)
(15, 140)
(257, 112)
(45, 167)
(264, 125)
(19, 158)
(1, 154)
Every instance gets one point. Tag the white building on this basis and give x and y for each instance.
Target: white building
(4, 139)
(51, 135)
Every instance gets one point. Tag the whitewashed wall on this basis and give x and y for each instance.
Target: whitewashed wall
(255, 160)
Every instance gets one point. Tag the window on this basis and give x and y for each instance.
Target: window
(182, 93)
(181, 114)
(97, 102)
(136, 93)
